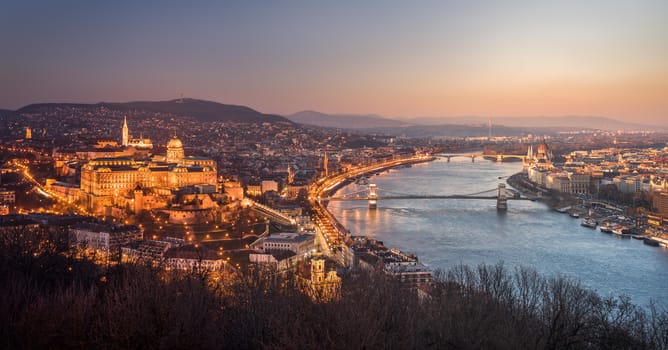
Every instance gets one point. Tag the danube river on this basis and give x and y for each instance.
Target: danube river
(447, 232)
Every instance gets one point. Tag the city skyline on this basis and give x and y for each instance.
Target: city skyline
(400, 60)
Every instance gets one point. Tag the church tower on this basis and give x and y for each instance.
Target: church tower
(125, 131)
(325, 164)
(317, 271)
(28, 133)
(291, 175)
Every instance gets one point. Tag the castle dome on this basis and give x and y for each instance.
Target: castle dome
(175, 152)
(175, 142)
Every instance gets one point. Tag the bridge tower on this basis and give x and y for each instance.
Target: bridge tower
(501, 200)
(373, 196)
(499, 158)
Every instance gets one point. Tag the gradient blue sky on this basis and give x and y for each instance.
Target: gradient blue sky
(396, 58)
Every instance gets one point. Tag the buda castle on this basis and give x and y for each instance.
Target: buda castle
(113, 181)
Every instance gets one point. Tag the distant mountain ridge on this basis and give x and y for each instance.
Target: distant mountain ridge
(431, 125)
(205, 111)
(573, 121)
(345, 121)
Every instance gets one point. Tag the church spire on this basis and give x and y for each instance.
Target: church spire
(125, 138)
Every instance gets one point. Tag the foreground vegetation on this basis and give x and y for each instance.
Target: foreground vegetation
(50, 300)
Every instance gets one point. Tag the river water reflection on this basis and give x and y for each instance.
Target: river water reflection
(447, 232)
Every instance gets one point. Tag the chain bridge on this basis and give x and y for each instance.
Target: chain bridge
(373, 194)
(499, 157)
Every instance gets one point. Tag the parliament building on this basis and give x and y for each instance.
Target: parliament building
(109, 182)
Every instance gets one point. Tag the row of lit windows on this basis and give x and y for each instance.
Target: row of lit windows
(277, 245)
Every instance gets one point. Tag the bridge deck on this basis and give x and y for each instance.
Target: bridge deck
(421, 197)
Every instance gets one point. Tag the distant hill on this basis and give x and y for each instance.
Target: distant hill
(345, 121)
(568, 122)
(375, 124)
(463, 126)
(202, 110)
(449, 130)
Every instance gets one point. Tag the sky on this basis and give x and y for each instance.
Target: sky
(391, 57)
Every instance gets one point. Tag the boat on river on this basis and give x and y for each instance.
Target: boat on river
(563, 210)
(589, 222)
(651, 242)
(605, 228)
(621, 230)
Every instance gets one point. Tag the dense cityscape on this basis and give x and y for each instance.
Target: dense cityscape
(334, 175)
(222, 200)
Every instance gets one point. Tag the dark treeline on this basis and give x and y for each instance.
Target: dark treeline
(52, 301)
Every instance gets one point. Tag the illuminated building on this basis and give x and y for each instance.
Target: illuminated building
(320, 285)
(254, 190)
(175, 153)
(579, 182)
(233, 190)
(268, 185)
(292, 190)
(149, 251)
(141, 143)
(370, 254)
(538, 165)
(112, 181)
(298, 243)
(193, 258)
(7, 196)
(28, 133)
(660, 202)
(103, 240)
(118, 176)
(541, 158)
(125, 136)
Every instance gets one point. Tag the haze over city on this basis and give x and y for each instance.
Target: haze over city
(394, 58)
